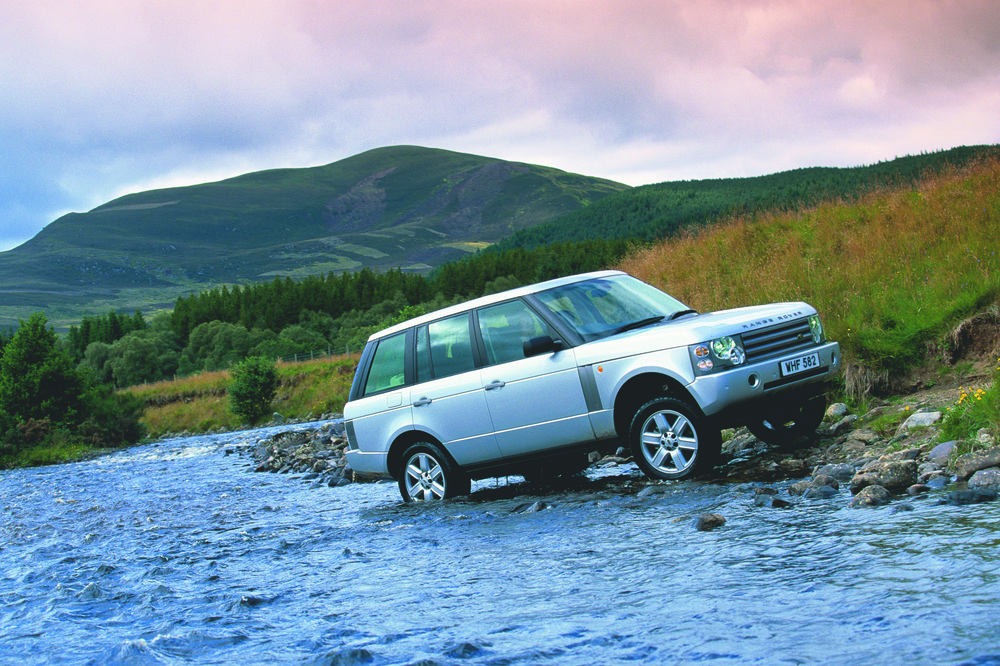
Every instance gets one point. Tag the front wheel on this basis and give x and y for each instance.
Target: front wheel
(427, 474)
(784, 424)
(670, 440)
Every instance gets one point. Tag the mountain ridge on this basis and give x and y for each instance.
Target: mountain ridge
(394, 207)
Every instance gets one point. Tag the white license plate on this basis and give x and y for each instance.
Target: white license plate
(794, 366)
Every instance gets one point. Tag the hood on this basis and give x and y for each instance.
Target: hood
(691, 330)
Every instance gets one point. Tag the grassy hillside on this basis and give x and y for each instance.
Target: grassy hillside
(655, 211)
(402, 206)
(892, 274)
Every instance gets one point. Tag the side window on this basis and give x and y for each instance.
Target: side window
(451, 346)
(388, 365)
(505, 327)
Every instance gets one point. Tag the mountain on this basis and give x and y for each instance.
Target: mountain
(397, 207)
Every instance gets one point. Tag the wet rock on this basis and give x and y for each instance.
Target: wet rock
(771, 502)
(709, 521)
(840, 471)
(652, 490)
(900, 508)
(871, 496)
(938, 482)
(963, 497)
(820, 480)
(764, 490)
(917, 489)
(889, 474)
(970, 463)
(988, 479)
(821, 492)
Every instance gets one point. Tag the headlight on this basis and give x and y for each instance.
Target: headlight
(816, 328)
(723, 352)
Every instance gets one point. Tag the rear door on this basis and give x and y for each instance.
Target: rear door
(449, 402)
(535, 403)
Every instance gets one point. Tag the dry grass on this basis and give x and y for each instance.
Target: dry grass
(199, 403)
(887, 274)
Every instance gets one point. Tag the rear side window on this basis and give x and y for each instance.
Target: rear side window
(388, 365)
(451, 346)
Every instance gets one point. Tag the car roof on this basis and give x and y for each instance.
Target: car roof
(465, 306)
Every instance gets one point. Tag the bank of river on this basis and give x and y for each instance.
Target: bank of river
(178, 551)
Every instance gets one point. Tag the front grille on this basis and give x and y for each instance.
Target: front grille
(777, 340)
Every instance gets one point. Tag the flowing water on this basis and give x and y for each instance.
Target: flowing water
(176, 552)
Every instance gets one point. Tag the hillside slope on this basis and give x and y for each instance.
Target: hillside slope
(401, 206)
(651, 212)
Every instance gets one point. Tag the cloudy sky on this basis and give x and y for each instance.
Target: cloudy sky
(103, 97)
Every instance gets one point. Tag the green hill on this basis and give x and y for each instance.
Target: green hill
(402, 206)
(651, 212)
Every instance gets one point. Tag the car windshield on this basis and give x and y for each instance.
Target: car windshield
(604, 306)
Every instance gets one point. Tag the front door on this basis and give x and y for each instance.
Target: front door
(535, 403)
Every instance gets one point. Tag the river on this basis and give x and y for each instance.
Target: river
(176, 552)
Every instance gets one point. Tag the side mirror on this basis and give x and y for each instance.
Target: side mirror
(543, 344)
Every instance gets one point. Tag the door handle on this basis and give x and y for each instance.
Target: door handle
(422, 402)
(495, 384)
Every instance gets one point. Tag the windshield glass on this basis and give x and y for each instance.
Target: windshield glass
(600, 307)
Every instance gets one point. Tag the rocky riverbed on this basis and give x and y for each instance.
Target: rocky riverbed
(847, 460)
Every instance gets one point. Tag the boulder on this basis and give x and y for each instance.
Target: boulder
(918, 420)
(840, 471)
(871, 496)
(941, 452)
(988, 479)
(970, 463)
(889, 474)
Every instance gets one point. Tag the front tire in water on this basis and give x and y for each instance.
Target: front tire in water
(670, 440)
(427, 474)
(782, 426)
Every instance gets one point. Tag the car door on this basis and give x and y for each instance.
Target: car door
(448, 401)
(535, 403)
(381, 411)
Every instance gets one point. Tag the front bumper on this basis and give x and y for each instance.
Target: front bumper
(730, 389)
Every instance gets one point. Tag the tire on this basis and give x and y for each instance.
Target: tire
(427, 474)
(670, 440)
(784, 425)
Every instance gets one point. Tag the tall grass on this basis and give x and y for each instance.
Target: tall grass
(199, 403)
(889, 273)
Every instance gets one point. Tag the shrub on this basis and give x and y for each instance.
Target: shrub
(252, 387)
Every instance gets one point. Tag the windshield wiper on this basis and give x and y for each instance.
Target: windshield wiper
(639, 323)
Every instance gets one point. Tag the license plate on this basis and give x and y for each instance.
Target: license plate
(794, 366)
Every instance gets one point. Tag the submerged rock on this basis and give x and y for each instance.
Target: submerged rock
(962, 497)
(709, 521)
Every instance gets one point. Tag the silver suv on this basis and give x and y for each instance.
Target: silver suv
(529, 381)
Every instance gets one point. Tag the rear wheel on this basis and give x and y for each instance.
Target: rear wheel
(783, 425)
(670, 440)
(427, 474)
